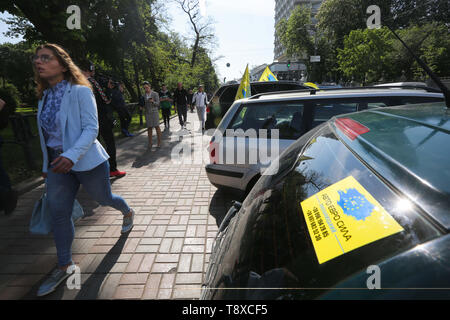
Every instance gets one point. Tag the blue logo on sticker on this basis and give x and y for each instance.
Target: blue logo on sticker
(355, 204)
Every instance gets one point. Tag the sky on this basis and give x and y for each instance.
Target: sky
(244, 30)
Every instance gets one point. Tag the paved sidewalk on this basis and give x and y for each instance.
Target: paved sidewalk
(165, 256)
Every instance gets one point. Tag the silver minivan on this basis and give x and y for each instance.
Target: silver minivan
(255, 131)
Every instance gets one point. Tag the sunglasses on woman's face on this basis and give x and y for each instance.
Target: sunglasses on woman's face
(45, 58)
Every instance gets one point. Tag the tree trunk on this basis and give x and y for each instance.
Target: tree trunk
(195, 49)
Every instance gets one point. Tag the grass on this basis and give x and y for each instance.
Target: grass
(13, 156)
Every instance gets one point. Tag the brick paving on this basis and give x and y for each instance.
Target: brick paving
(164, 257)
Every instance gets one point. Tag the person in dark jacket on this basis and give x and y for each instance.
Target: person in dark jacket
(105, 115)
(115, 93)
(180, 98)
(8, 196)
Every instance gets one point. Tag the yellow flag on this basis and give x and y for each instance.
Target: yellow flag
(244, 90)
(313, 85)
(267, 76)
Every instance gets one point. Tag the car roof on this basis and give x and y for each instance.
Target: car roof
(343, 93)
(408, 147)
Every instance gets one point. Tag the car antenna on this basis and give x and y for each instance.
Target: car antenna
(432, 75)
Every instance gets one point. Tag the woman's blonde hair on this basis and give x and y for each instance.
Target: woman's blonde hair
(73, 73)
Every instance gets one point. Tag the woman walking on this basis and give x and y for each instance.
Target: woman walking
(68, 128)
(152, 105)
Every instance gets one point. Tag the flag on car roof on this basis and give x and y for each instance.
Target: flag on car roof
(244, 90)
(312, 85)
(267, 76)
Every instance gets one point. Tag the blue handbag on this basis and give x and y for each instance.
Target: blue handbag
(41, 223)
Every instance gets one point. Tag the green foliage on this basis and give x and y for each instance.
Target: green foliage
(431, 42)
(364, 57)
(349, 50)
(15, 67)
(122, 38)
(10, 95)
(371, 55)
(301, 39)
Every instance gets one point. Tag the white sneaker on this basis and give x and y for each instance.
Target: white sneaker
(127, 224)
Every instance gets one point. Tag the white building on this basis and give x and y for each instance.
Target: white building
(283, 9)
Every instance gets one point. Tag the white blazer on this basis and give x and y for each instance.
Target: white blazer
(79, 125)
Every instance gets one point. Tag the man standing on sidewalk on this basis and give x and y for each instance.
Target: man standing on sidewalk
(104, 118)
(200, 100)
(180, 98)
(115, 94)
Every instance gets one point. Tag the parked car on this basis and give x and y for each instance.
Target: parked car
(362, 192)
(224, 97)
(292, 114)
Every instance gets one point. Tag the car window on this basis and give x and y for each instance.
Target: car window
(416, 100)
(228, 96)
(373, 105)
(326, 110)
(219, 92)
(285, 117)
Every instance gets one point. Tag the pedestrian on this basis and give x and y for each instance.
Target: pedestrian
(190, 104)
(200, 101)
(105, 118)
(180, 98)
(115, 94)
(8, 196)
(72, 156)
(152, 105)
(166, 104)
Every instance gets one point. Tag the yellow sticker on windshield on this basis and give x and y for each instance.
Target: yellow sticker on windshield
(344, 217)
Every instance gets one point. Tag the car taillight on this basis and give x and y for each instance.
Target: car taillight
(212, 153)
(350, 127)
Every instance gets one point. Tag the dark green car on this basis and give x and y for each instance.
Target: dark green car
(360, 202)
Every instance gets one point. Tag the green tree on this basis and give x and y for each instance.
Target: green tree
(371, 55)
(15, 68)
(431, 42)
(364, 56)
(123, 38)
(302, 39)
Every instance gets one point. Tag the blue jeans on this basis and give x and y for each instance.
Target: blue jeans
(61, 192)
